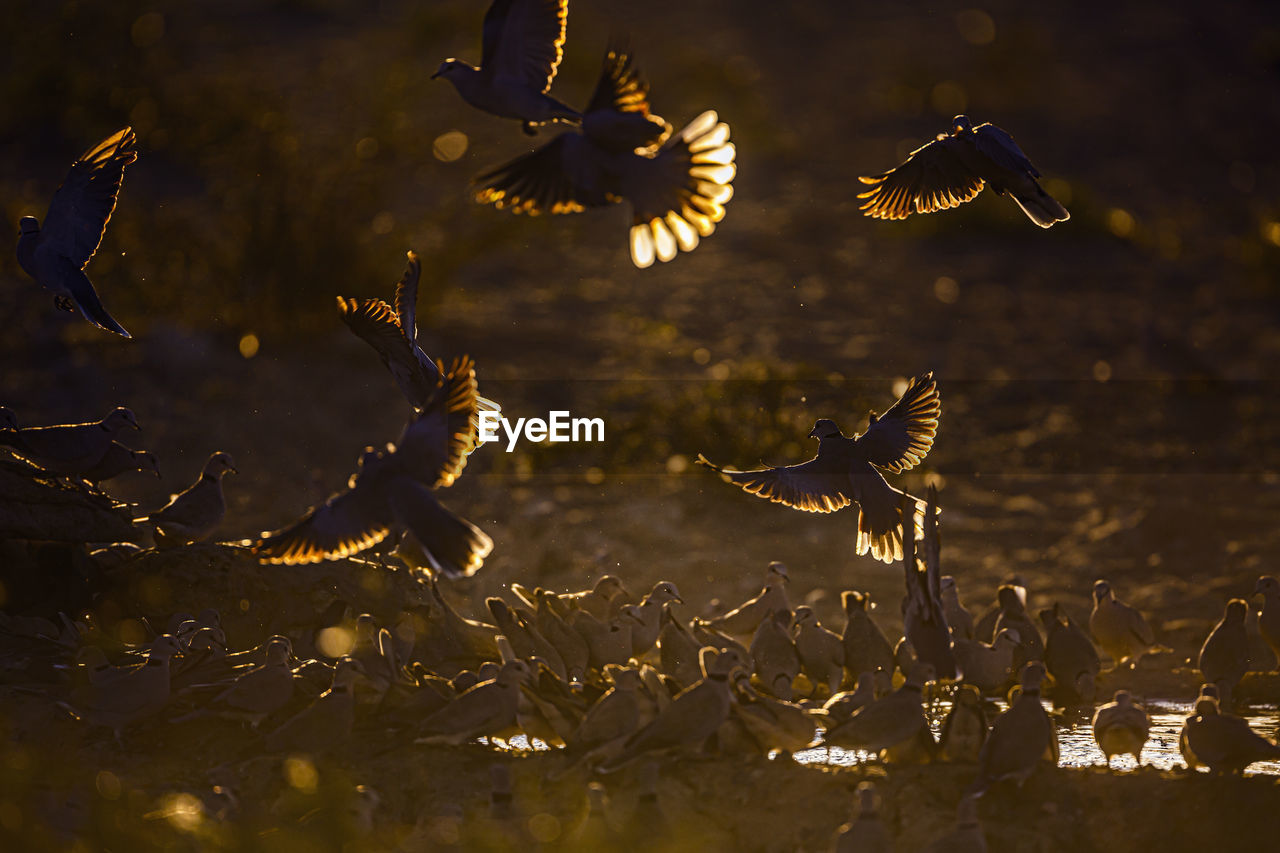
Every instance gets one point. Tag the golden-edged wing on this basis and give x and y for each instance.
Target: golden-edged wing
(563, 176)
(812, 486)
(903, 436)
(376, 323)
(932, 178)
(524, 40)
(433, 447)
(83, 205)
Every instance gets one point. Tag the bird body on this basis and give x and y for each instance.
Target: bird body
(69, 449)
(257, 693)
(777, 663)
(847, 470)
(959, 619)
(1121, 727)
(965, 728)
(195, 513)
(1013, 614)
(326, 723)
(866, 649)
(57, 254)
(486, 709)
(888, 722)
(821, 651)
(1070, 658)
(1269, 620)
(123, 697)
(1224, 657)
(120, 460)
(1020, 738)
(924, 620)
(1224, 742)
(866, 832)
(1120, 630)
(742, 621)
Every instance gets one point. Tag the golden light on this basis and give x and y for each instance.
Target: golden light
(946, 290)
(301, 774)
(1101, 370)
(1120, 222)
(701, 355)
(183, 811)
(594, 476)
(335, 641)
(677, 464)
(249, 345)
(1271, 232)
(976, 26)
(450, 146)
(367, 148)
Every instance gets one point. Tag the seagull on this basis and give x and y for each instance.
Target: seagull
(393, 334)
(523, 43)
(677, 184)
(953, 169)
(844, 471)
(195, 513)
(56, 255)
(393, 488)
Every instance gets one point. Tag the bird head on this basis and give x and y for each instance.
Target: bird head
(449, 68)
(1266, 585)
(777, 572)
(1032, 675)
(119, 418)
(146, 462)
(28, 225)
(1008, 598)
(1123, 698)
(824, 428)
(1236, 610)
(665, 591)
(1101, 590)
(961, 124)
(219, 464)
(803, 615)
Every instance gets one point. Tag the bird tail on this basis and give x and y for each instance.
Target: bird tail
(86, 299)
(678, 196)
(1040, 207)
(446, 542)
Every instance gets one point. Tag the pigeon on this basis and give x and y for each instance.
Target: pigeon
(195, 513)
(844, 471)
(1120, 630)
(69, 449)
(964, 730)
(1020, 738)
(615, 716)
(841, 706)
(777, 663)
(393, 334)
(821, 651)
(677, 649)
(486, 709)
(1224, 657)
(602, 600)
(1070, 658)
(525, 638)
(394, 487)
(326, 723)
(985, 628)
(959, 620)
(889, 722)
(121, 698)
(775, 724)
(1224, 742)
(866, 833)
(567, 643)
(953, 169)
(743, 620)
(1269, 620)
(866, 649)
(120, 460)
(648, 613)
(1120, 727)
(967, 836)
(1013, 614)
(676, 183)
(988, 666)
(924, 621)
(257, 693)
(523, 43)
(57, 254)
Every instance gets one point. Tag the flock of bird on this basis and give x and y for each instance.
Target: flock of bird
(613, 678)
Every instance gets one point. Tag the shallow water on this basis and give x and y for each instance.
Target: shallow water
(1077, 747)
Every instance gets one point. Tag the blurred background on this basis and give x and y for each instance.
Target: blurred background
(1109, 386)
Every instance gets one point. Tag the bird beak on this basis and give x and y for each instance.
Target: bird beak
(434, 76)
(813, 433)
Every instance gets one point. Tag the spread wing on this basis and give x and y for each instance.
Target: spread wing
(375, 323)
(902, 436)
(407, 299)
(811, 486)
(543, 182)
(620, 86)
(434, 446)
(999, 147)
(932, 178)
(82, 206)
(620, 119)
(345, 524)
(524, 40)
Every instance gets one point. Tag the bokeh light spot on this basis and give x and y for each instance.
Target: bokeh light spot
(948, 98)
(677, 464)
(449, 146)
(249, 345)
(383, 222)
(701, 355)
(595, 476)
(108, 785)
(184, 811)
(976, 26)
(1120, 222)
(301, 774)
(946, 290)
(1271, 232)
(367, 148)
(1101, 370)
(336, 641)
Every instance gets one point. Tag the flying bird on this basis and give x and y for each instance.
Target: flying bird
(57, 254)
(677, 184)
(845, 470)
(393, 488)
(953, 169)
(521, 49)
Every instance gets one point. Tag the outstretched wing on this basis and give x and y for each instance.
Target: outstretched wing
(618, 117)
(434, 446)
(374, 322)
(620, 86)
(407, 299)
(811, 486)
(82, 206)
(932, 178)
(902, 436)
(345, 524)
(543, 182)
(524, 40)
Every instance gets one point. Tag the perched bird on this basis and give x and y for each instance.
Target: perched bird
(1224, 742)
(777, 663)
(648, 613)
(326, 723)
(393, 334)
(1013, 614)
(1224, 657)
(121, 698)
(194, 514)
(924, 621)
(964, 730)
(677, 184)
(394, 488)
(257, 693)
(889, 722)
(1120, 630)
(953, 169)
(568, 643)
(821, 651)
(1207, 691)
(609, 641)
(523, 43)
(614, 717)
(69, 449)
(866, 649)
(120, 460)
(487, 709)
(677, 650)
(742, 621)
(844, 471)
(865, 833)
(841, 706)
(773, 723)
(602, 600)
(959, 620)
(57, 255)
(1120, 727)
(967, 836)
(1020, 738)
(1269, 620)
(985, 628)
(1070, 658)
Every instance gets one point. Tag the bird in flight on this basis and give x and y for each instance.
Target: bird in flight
(847, 470)
(522, 45)
(677, 184)
(57, 254)
(953, 169)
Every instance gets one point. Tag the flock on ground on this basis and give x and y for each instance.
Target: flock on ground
(613, 678)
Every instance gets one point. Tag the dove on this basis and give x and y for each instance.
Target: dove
(1269, 620)
(611, 720)
(693, 715)
(120, 460)
(526, 640)
(56, 255)
(821, 651)
(988, 666)
(69, 449)
(393, 334)
(866, 833)
(959, 619)
(568, 643)
(1224, 657)
(1120, 727)
(1013, 614)
(967, 836)
(488, 709)
(1207, 691)
(257, 693)
(777, 663)
(122, 698)
(677, 649)
(1120, 630)
(889, 722)
(326, 723)
(648, 613)
(841, 706)
(706, 635)
(953, 169)
(394, 487)
(985, 628)
(924, 622)
(743, 620)
(447, 641)
(773, 723)
(607, 642)
(845, 470)
(866, 648)
(1020, 738)
(964, 730)
(1070, 658)
(676, 183)
(194, 514)
(603, 600)
(523, 43)
(1224, 742)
